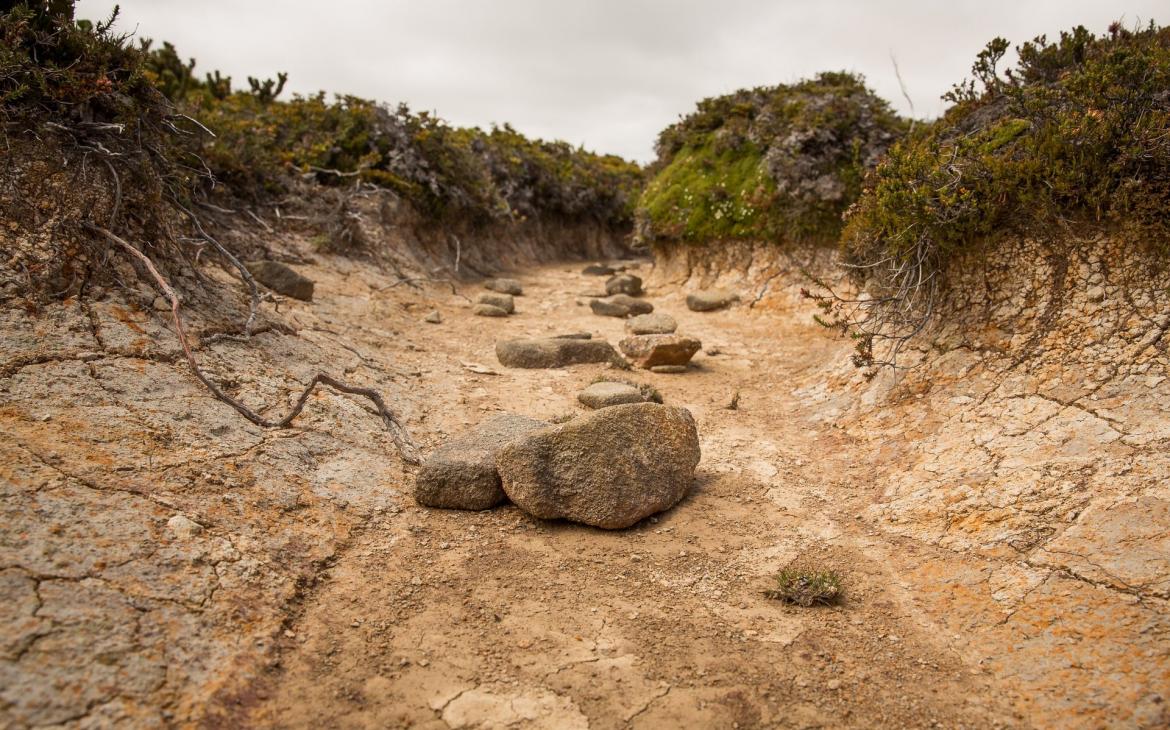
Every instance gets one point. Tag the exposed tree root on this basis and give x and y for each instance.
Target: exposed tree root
(398, 432)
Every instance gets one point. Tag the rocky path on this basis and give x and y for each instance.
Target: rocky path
(435, 618)
(166, 564)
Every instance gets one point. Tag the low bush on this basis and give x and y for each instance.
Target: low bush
(778, 163)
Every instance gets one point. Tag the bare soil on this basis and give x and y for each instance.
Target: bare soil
(318, 594)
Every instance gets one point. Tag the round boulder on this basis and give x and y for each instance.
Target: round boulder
(624, 284)
(503, 301)
(610, 468)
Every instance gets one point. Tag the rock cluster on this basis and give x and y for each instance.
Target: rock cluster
(608, 469)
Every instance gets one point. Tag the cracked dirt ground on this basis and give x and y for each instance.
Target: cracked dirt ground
(1005, 559)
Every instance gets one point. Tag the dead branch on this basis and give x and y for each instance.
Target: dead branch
(398, 432)
(254, 301)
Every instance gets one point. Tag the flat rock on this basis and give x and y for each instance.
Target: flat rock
(609, 468)
(624, 284)
(504, 286)
(553, 352)
(709, 300)
(648, 351)
(503, 301)
(488, 310)
(620, 305)
(281, 279)
(574, 336)
(604, 395)
(461, 474)
(651, 324)
(669, 369)
(598, 270)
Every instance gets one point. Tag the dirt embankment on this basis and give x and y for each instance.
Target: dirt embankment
(999, 513)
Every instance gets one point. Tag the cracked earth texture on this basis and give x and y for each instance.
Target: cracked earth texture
(999, 515)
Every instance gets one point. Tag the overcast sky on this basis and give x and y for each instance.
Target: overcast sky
(608, 74)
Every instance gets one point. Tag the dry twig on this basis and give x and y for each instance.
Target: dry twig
(397, 431)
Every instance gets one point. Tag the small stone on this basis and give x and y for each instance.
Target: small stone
(503, 301)
(504, 286)
(554, 352)
(624, 284)
(620, 305)
(184, 527)
(669, 369)
(434, 317)
(598, 270)
(281, 279)
(711, 299)
(488, 310)
(1096, 294)
(461, 474)
(648, 351)
(610, 468)
(574, 336)
(604, 395)
(651, 324)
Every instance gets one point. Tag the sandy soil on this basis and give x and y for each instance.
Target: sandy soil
(317, 593)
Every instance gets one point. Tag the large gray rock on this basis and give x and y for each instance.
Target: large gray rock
(504, 286)
(624, 284)
(598, 270)
(503, 301)
(461, 474)
(554, 352)
(651, 324)
(648, 351)
(620, 305)
(605, 395)
(709, 300)
(281, 279)
(609, 468)
(488, 310)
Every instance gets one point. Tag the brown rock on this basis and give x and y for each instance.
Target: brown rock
(502, 301)
(461, 474)
(624, 284)
(504, 286)
(620, 305)
(609, 468)
(553, 352)
(710, 300)
(281, 279)
(489, 310)
(648, 351)
(651, 324)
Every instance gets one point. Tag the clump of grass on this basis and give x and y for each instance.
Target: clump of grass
(649, 393)
(803, 587)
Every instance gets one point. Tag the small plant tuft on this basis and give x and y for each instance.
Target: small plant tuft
(806, 588)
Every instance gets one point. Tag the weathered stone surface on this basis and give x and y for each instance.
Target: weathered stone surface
(624, 284)
(648, 351)
(461, 474)
(553, 352)
(709, 300)
(488, 310)
(502, 301)
(504, 286)
(281, 279)
(651, 324)
(620, 305)
(605, 394)
(609, 469)
(598, 270)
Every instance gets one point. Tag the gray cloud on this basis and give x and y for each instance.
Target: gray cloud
(608, 74)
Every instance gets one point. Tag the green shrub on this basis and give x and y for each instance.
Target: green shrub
(1077, 135)
(779, 163)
